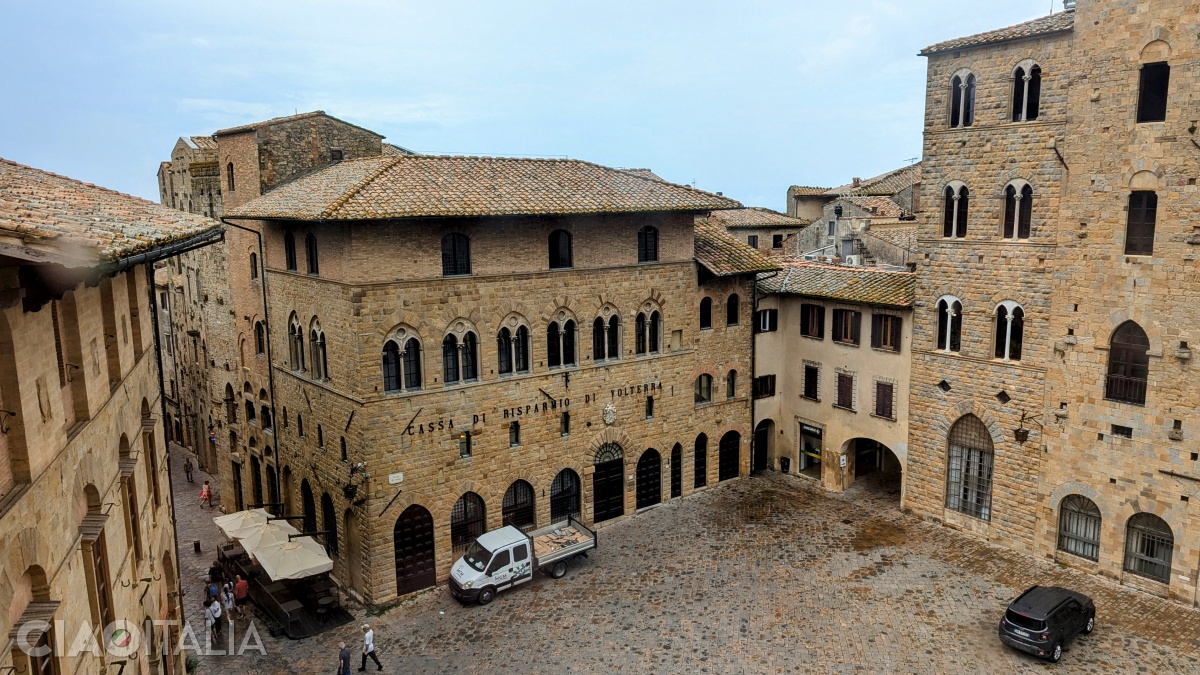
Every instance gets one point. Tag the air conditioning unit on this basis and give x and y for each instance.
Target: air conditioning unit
(854, 260)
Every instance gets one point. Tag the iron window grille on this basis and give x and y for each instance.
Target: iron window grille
(1148, 547)
(1079, 527)
(969, 473)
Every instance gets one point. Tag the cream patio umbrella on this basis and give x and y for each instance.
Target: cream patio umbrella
(296, 559)
(274, 532)
(230, 523)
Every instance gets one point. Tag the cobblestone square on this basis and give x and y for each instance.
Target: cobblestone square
(767, 574)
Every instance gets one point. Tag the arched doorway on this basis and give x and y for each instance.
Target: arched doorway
(353, 550)
(764, 437)
(608, 483)
(564, 496)
(728, 463)
(874, 465)
(468, 520)
(413, 537)
(649, 479)
(676, 471)
(518, 508)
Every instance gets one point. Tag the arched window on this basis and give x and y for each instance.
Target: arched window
(391, 367)
(412, 364)
(560, 249)
(253, 265)
(560, 344)
(265, 417)
(564, 496)
(731, 384)
(598, 340)
(260, 338)
(230, 405)
(470, 357)
(955, 210)
(705, 313)
(289, 251)
(704, 388)
(504, 361)
(614, 337)
(518, 505)
(1141, 219)
(731, 310)
(969, 468)
(229, 176)
(949, 324)
(648, 244)
(1149, 544)
(1128, 364)
(1027, 93)
(468, 521)
(521, 350)
(700, 462)
(514, 434)
(251, 416)
(1079, 527)
(296, 344)
(456, 255)
(1018, 211)
(1010, 331)
(316, 343)
(639, 330)
(962, 100)
(329, 524)
(450, 373)
(655, 332)
(310, 248)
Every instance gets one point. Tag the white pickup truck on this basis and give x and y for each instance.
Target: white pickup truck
(498, 560)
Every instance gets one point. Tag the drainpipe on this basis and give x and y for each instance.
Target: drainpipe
(262, 262)
(754, 356)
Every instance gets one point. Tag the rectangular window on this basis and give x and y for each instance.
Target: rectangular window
(565, 424)
(1123, 432)
(885, 332)
(1152, 92)
(812, 321)
(752, 240)
(777, 241)
(846, 324)
(832, 228)
(649, 407)
(845, 391)
(1139, 229)
(464, 444)
(766, 320)
(885, 400)
(764, 386)
(100, 570)
(812, 375)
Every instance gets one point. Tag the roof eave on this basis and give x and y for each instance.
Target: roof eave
(930, 51)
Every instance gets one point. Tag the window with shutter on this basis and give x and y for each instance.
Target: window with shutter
(812, 321)
(811, 378)
(766, 320)
(884, 398)
(845, 391)
(846, 326)
(885, 332)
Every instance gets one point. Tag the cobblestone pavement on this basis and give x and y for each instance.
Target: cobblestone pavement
(761, 575)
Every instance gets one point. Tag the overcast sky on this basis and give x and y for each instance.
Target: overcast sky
(744, 97)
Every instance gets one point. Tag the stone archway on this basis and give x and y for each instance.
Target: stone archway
(874, 466)
(764, 440)
(608, 483)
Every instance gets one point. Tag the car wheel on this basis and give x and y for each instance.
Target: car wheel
(1090, 625)
(1056, 653)
(559, 570)
(487, 595)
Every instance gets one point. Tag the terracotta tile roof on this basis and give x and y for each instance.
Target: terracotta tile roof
(204, 142)
(754, 217)
(807, 190)
(886, 184)
(723, 255)
(876, 205)
(644, 173)
(45, 217)
(413, 186)
(1047, 25)
(837, 282)
(289, 118)
(904, 237)
(393, 149)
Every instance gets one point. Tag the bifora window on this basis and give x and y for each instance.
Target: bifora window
(512, 350)
(401, 366)
(1018, 211)
(1027, 93)
(949, 324)
(1079, 527)
(1148, 547)
(460, 363)
(962, 100)
(1139, 228)
(956, 208)
(560, 344)
(648, 333)
(969, 468)
(1010, 331)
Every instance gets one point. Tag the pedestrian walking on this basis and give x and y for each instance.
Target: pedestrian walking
(241, 595)
(211, 590)
(187, 469)
(212, 618)
(368, 647)
(206, 495)
(227, 602)
(343, 659)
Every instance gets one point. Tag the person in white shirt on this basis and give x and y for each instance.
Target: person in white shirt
(212, 617)
(368, 648)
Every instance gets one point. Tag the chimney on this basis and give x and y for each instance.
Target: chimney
(1068, 4)
(857, 181)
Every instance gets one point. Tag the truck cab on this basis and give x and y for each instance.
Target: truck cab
(496, 561)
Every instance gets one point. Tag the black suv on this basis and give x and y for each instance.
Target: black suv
(1045, 618)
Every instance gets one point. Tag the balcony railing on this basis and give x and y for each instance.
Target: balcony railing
(1126, 389)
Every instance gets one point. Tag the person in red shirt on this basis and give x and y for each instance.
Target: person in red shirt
(241, 595)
